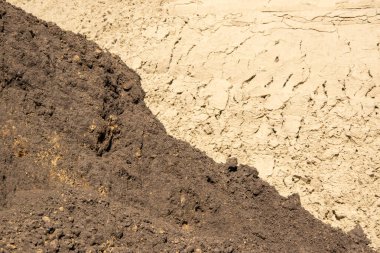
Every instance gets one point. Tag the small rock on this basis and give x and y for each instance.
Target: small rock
(293, 202)
(138, 154)
(230, 249)
(96, 239)
(11, 246)
(189, 249)
(231, 164)
(76, 231)
(50, 230)
(46, 219)
(127, 85)
(54, 245)
(59, 233)
(358, 235)
(257, 188)
(118, 234)
(76, 58)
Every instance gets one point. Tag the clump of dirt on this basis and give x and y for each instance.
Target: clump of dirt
(85, 166)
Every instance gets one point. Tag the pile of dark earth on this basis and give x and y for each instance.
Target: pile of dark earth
(86, 167)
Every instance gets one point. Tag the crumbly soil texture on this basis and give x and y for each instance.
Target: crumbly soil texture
(86, 167)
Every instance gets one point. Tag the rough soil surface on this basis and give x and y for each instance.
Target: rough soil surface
(290, 88)
(86, 167)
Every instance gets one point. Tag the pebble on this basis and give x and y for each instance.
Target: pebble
(76, 58)
(46, 219)
(127, 85)
(54, 245)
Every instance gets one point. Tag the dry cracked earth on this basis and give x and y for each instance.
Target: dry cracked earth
(292, 89)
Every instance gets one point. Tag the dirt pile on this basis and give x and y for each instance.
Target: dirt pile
(85, 165)
(289, 88)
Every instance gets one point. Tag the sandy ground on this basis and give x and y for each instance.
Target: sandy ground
(293, 89)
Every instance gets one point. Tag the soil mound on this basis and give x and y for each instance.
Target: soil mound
(307, 119)
(86, 167)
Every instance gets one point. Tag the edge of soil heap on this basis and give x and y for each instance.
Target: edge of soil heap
(86, 167)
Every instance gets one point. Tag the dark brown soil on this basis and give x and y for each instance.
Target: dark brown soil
(86, 167)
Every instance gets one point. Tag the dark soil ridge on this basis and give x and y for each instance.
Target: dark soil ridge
(86, 167)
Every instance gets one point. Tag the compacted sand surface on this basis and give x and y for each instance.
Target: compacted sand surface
(85, 166)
